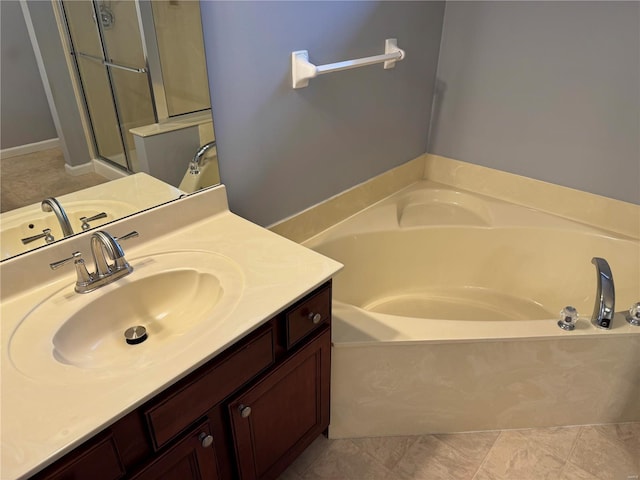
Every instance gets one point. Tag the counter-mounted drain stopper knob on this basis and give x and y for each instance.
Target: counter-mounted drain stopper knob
(135, 335)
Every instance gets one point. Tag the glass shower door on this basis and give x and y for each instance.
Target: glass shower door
(94, 79)
(107, 45)
(126, 63)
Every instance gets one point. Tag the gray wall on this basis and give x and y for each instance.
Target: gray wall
(283, 150)
(53, 55)
(24, 112)
(549, 90)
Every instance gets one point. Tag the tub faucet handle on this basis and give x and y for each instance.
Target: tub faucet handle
(568, 318)
(633, 317)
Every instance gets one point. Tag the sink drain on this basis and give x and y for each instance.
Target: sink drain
(135, 335)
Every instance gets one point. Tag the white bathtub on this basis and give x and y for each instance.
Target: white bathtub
(445, 318)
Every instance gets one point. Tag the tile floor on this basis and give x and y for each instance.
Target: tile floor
(599, 452)
(28, 179)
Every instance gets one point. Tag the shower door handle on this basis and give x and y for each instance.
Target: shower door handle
(110, 64)
(124, 67)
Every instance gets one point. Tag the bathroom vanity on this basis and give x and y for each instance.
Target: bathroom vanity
(232, 382)
(245, 414)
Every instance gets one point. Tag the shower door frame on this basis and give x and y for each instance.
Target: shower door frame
(63, 26)
(152, 54)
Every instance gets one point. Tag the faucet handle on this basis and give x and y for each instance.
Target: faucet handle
(84, 278)
(633, 317)
(46, 234)
(128, 236)
(74, 256)
(85, 220)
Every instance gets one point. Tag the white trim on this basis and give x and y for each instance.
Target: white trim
(30, 148)
(96, 166)
(107, 170)
(81, 169)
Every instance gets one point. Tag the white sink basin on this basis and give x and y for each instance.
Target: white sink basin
(175, 296)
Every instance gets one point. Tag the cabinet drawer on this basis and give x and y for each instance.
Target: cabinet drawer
(181, 408)
(98, 461)
(308, 316)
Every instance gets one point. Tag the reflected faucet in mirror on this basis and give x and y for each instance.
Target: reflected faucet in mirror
(153, 34)
(194, 165)
(52, 205)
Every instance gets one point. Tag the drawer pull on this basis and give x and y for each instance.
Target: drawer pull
(245, 411)
(315, 317)
(205, 439)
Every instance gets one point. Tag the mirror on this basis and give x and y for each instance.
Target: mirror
(138, 76)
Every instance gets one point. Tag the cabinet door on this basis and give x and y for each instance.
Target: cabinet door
(192, 458)
(275, 420)
(97, 459)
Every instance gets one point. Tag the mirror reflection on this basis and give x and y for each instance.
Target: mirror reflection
(138, 77)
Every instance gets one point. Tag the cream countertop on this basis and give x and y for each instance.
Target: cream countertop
(43, 420)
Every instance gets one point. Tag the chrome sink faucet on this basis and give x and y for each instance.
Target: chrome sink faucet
(605, 294)
(194, 164)
(52, 205)
(104, 248)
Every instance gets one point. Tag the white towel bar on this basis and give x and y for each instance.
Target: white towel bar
(302, 70)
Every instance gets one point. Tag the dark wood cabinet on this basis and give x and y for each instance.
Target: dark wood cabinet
(192, 458)
(283, 413)
(97, 459)
(247, 413)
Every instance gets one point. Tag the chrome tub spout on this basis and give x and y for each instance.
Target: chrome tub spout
(605, 294)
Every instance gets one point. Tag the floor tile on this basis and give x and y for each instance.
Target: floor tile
(557, 441)
(343, 460)
(514, 456)
(387, 450)
(571, 472)
(595, 453)
(311, 453)
(609, 452)
(474, 445)
(433, 459)
(289, 474)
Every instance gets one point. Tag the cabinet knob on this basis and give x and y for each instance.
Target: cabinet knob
(315, 317)
(244, 410)
(206, 439)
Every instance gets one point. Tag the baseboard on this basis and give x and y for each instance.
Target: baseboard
(96, 166)
(107, 170)
(29, 148)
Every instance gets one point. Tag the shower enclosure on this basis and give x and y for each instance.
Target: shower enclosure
(137, 63)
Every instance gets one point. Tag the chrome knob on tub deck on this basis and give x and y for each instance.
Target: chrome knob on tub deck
(568, 318)
(605, 294)
(633, 317)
